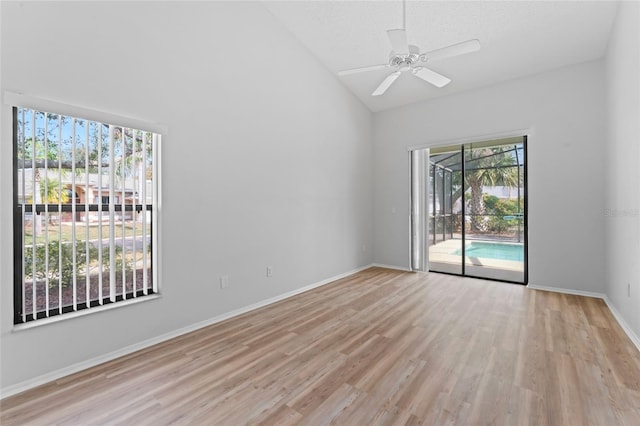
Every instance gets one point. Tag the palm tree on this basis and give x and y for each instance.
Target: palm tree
(53, 192)
(487, 167)
(495, 166)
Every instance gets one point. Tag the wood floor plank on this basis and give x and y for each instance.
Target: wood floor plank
(378, 347)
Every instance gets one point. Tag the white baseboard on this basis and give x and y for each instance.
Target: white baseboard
(616, 314)
(625, 326)
(57, 374)
(567, 291)
(397, 268)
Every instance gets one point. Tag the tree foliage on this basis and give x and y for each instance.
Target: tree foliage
(59, 262)
(488, 167)
(52, 191)
(503, 213)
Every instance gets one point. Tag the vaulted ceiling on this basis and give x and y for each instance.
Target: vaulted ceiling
(518, 38)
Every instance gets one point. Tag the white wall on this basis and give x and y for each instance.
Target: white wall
(267, 161)
(565, 111)
(622, 152)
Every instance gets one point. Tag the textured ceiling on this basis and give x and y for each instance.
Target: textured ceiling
(518, 38)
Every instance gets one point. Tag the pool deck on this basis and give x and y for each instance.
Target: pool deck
(443, 259)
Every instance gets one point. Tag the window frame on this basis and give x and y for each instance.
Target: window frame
(49, 314)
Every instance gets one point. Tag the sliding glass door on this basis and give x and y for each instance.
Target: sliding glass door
(445, 212)
(477, 210)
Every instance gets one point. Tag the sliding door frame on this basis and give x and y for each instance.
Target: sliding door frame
(525, 134)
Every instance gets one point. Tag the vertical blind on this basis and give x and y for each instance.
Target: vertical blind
(84, 194)
(419, 224)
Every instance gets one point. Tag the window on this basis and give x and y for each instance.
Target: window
(84, 196)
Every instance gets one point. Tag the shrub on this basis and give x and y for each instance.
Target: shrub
(54, 269)
(500, 208)
(106, 263)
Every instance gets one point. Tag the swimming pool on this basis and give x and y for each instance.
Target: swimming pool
(500, 251)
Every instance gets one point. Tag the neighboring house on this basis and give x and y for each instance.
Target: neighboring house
(84, 192)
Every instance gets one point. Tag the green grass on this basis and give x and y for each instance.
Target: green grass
(54, 233)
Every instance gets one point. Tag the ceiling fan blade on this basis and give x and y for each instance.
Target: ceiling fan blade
(432, 77)
(388, 81)
(453, 50)
(398, 40)
(362, 69)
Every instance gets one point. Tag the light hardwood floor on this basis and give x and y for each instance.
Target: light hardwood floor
(379, 347)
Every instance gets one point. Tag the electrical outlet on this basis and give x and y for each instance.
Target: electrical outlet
(364, 247)
(224, 281)
(269, 271)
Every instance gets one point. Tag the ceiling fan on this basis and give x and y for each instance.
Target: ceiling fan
(405, 57)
